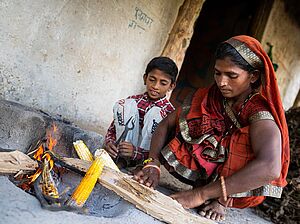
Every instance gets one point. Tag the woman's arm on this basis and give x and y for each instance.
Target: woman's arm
(266, 144)
(150, 176)
(161, 135)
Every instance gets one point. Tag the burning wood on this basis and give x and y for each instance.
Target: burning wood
(43, 180)
(45, 162)
(16, 162)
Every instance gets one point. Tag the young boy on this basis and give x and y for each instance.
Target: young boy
(142, 113)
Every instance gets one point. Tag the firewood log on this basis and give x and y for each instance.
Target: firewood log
(16, 161)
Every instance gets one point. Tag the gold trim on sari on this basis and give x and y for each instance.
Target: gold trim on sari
(216, 154)
(261, 115)
(179, 168)
(185, 133)
(231, 115)
(266, 190)
(246, 53)
(184, 128)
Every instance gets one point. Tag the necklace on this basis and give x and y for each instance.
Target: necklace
(232, 116)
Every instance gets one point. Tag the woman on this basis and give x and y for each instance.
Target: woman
(231, 140)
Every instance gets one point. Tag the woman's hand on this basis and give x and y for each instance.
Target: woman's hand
(189, 199)
(148, 176)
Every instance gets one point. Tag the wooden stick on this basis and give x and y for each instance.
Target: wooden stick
(16, 161)
(144, 198)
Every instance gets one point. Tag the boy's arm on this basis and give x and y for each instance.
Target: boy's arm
(110, 136)
(110, 139)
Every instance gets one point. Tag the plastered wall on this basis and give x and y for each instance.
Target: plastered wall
(76, 58)
(283, 33)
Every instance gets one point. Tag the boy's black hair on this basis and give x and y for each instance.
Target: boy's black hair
(165, 64)
(226, 50)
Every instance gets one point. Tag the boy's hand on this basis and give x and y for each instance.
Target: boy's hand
(112, 150)
(126, 149)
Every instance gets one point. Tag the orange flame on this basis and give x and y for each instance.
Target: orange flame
(41, 154)
(51, 141)
(35, 176)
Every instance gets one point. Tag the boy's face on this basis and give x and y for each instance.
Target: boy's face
(158, 83)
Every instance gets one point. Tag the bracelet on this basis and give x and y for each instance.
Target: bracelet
(149, 160)
(221, 203)
(223, 186)
(154, 166)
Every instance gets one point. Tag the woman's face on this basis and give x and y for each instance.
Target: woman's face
(232, 81)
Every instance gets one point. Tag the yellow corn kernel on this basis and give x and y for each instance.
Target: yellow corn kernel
(107, 160)
(84, 189)
(83, 151)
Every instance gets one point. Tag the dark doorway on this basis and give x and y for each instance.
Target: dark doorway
(218, 21)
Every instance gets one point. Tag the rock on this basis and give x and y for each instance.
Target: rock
(19, 126)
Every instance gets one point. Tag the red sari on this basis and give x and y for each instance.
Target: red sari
(210, 141)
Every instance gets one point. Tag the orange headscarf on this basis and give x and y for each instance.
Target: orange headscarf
(271, 92)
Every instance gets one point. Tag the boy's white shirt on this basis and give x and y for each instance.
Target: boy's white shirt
(126, 108)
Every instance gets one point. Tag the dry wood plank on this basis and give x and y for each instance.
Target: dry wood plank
(16, 161)
(146, 199)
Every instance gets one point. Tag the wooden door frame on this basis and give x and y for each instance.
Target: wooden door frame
(182, 31)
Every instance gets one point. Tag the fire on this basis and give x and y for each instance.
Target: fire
(39, 153)
(42, 153)
(51, 141)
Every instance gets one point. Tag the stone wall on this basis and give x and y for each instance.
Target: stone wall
(283, 33)
(76, 58)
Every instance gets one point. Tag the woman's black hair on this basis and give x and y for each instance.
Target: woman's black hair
(226, 50)
(164, 64)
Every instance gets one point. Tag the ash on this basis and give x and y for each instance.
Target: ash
(101, 202)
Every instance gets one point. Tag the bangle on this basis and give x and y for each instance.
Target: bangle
(154, 166)
(149, 160)
(221, 203)
(223, 186)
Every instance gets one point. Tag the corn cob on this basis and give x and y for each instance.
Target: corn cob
(107, 160)
(83, 151)
(85, 187)
(48, 185)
